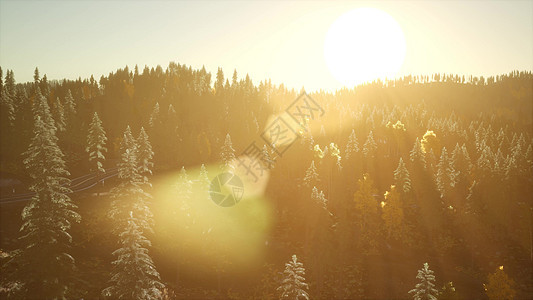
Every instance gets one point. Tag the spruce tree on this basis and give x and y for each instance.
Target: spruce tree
(144, 156)
(155, 118)
(134, 275)
(401, 176)
(70, 109)
(417, 156)
(42, 267)
(311, 175)
(425, 289)
(96, 141)
(446, 175)
(353, 145)
(370, 146)
(203, 180)
(129, 194)
(59, 115)
(293, 285)
(7, 109)
(184, 186)
(127, 142)
(227, 154)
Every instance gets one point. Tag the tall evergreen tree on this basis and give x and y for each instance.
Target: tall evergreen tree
(96, 141)
(41, 108)
(184, 186)
(353, 145)
(70, 109)
(59, 115)
(446, 175)
(42, 267)
(401, 177)
(203, 180)
(155, 117)
(129, 194)
(144, 156)
(418, 156)
(227, 154)
(425, 289)
(370, 146)
(134, 275)
(7, 109)
(293, 285)
(311, 175)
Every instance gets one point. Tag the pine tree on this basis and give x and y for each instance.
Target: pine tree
(184, 186)
(319, 198)
(70, 109)
(96, 140)
(7, 109)
(41, 108)
(59, 115)
(484, 165)
(42, 267)
(311, 175)
(134, 275)
(227, 154)
(129, 194)
(401, 177)
(353, 145)
(219, 83)
(155, 117)
(417, 155)
(144, 156)
(500, 286)
(370, 146)
(203, 180)
(446, 174)
(425, 290)
(293, 285)
(127, 142)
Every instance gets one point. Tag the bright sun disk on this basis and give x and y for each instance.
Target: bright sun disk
(364, 44)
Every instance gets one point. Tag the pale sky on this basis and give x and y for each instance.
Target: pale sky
(280, 40)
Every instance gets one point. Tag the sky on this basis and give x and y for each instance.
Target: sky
(280, 40)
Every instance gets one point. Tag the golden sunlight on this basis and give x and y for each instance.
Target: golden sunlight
(364, 44)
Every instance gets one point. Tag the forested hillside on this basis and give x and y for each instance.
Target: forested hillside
(392, 175)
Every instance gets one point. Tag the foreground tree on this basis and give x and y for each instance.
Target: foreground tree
(96, 140)
(425, 289)
(293, 285)
(42, 267)
(134, 275)
(129, 194)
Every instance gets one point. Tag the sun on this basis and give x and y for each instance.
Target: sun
(364, 44)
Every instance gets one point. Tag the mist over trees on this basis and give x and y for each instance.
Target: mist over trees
(397, 174)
